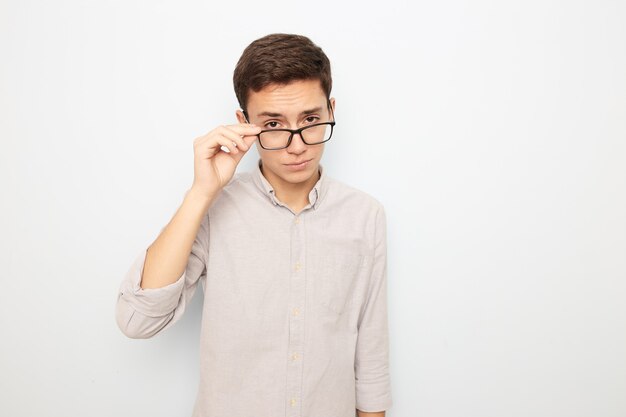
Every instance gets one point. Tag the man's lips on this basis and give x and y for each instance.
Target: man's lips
(298, 163)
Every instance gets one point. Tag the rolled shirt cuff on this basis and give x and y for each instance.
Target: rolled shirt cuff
(151, 302)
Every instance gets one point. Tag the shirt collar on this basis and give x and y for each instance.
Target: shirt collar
(315, 196)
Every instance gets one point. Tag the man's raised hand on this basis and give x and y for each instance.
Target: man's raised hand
(213, 166)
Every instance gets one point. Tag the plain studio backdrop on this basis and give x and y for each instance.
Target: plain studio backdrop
(493, 132)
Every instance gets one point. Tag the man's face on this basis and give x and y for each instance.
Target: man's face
(289, 106)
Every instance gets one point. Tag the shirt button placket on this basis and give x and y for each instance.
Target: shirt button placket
(297, 297)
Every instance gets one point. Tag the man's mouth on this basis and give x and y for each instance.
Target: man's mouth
(299, 163)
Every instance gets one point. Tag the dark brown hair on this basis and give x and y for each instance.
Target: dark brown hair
(280, 58)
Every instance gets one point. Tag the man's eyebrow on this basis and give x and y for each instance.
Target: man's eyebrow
(270, 114)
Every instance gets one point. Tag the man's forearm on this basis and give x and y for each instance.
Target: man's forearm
(167, 256)
(366, 414)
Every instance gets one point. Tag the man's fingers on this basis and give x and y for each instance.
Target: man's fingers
(249, 140)
(233, 138)
(228, 143)
(236, 133)
(244, 129)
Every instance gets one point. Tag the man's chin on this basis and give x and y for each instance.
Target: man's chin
(291, 176)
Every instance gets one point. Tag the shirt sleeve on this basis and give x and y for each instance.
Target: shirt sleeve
(142, 313)
(373, 386)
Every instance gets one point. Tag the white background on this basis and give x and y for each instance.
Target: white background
(493, 132)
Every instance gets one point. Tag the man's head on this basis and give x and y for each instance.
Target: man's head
(278, 59)
(283, 81)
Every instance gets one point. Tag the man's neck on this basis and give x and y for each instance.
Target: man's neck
(295, 196)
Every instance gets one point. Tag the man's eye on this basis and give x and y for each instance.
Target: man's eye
(269, 123)
(314, 119)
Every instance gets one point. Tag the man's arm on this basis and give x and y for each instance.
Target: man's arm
(154, 293)
(167, 257)
(371, 363)
(144, 310)
(213, 169)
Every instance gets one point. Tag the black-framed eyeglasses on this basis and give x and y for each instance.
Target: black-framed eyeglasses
(315, 134)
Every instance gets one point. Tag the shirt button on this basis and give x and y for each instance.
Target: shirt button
(294, 356)
(293, 402)
(297, 221)
(296, 311)
(298, 266)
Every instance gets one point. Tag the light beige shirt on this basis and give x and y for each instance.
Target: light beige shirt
(294, 319)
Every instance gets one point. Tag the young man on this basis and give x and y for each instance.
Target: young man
(292, 262)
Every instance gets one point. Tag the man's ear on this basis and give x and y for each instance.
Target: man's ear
(332, 103)
(240, 116)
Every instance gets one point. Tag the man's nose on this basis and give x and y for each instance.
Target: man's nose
(297, 145)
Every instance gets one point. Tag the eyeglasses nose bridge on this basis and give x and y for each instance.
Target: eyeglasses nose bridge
(296, 132)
